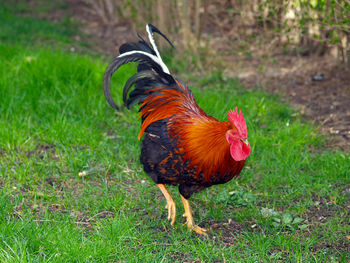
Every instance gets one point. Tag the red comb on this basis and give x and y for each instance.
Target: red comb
(237, 119)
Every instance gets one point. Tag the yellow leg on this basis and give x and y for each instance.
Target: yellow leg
(170, 204)
(189, 219)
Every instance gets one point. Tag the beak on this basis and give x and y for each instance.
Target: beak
(245, 141)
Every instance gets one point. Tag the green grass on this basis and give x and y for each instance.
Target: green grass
(31, 31)
(290, 204)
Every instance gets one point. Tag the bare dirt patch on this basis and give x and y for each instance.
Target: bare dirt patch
(86, 221)
(41, 150)
(228, 230)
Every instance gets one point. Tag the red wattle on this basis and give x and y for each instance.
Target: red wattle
(236, 150)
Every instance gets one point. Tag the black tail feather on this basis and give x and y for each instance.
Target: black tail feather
(118, 62)
(150, 73)
(141, 45)
(136, 96)
(154, 29)
(144, 82)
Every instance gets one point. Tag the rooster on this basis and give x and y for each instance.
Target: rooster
(181, 145)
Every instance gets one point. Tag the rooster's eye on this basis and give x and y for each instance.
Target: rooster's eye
(234, 129)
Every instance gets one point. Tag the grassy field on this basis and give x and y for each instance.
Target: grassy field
(72, 188)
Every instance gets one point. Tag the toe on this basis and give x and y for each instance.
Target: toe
(171, 213)
(172, 220)
(199, 230)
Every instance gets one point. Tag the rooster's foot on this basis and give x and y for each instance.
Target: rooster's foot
(189, 219)
(170, 204)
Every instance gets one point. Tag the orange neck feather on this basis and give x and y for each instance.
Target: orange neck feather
(204, 143)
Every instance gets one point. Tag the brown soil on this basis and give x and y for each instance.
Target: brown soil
(41, 150)
(228, 231)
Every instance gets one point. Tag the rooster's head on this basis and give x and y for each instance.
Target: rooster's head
(237, 136)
